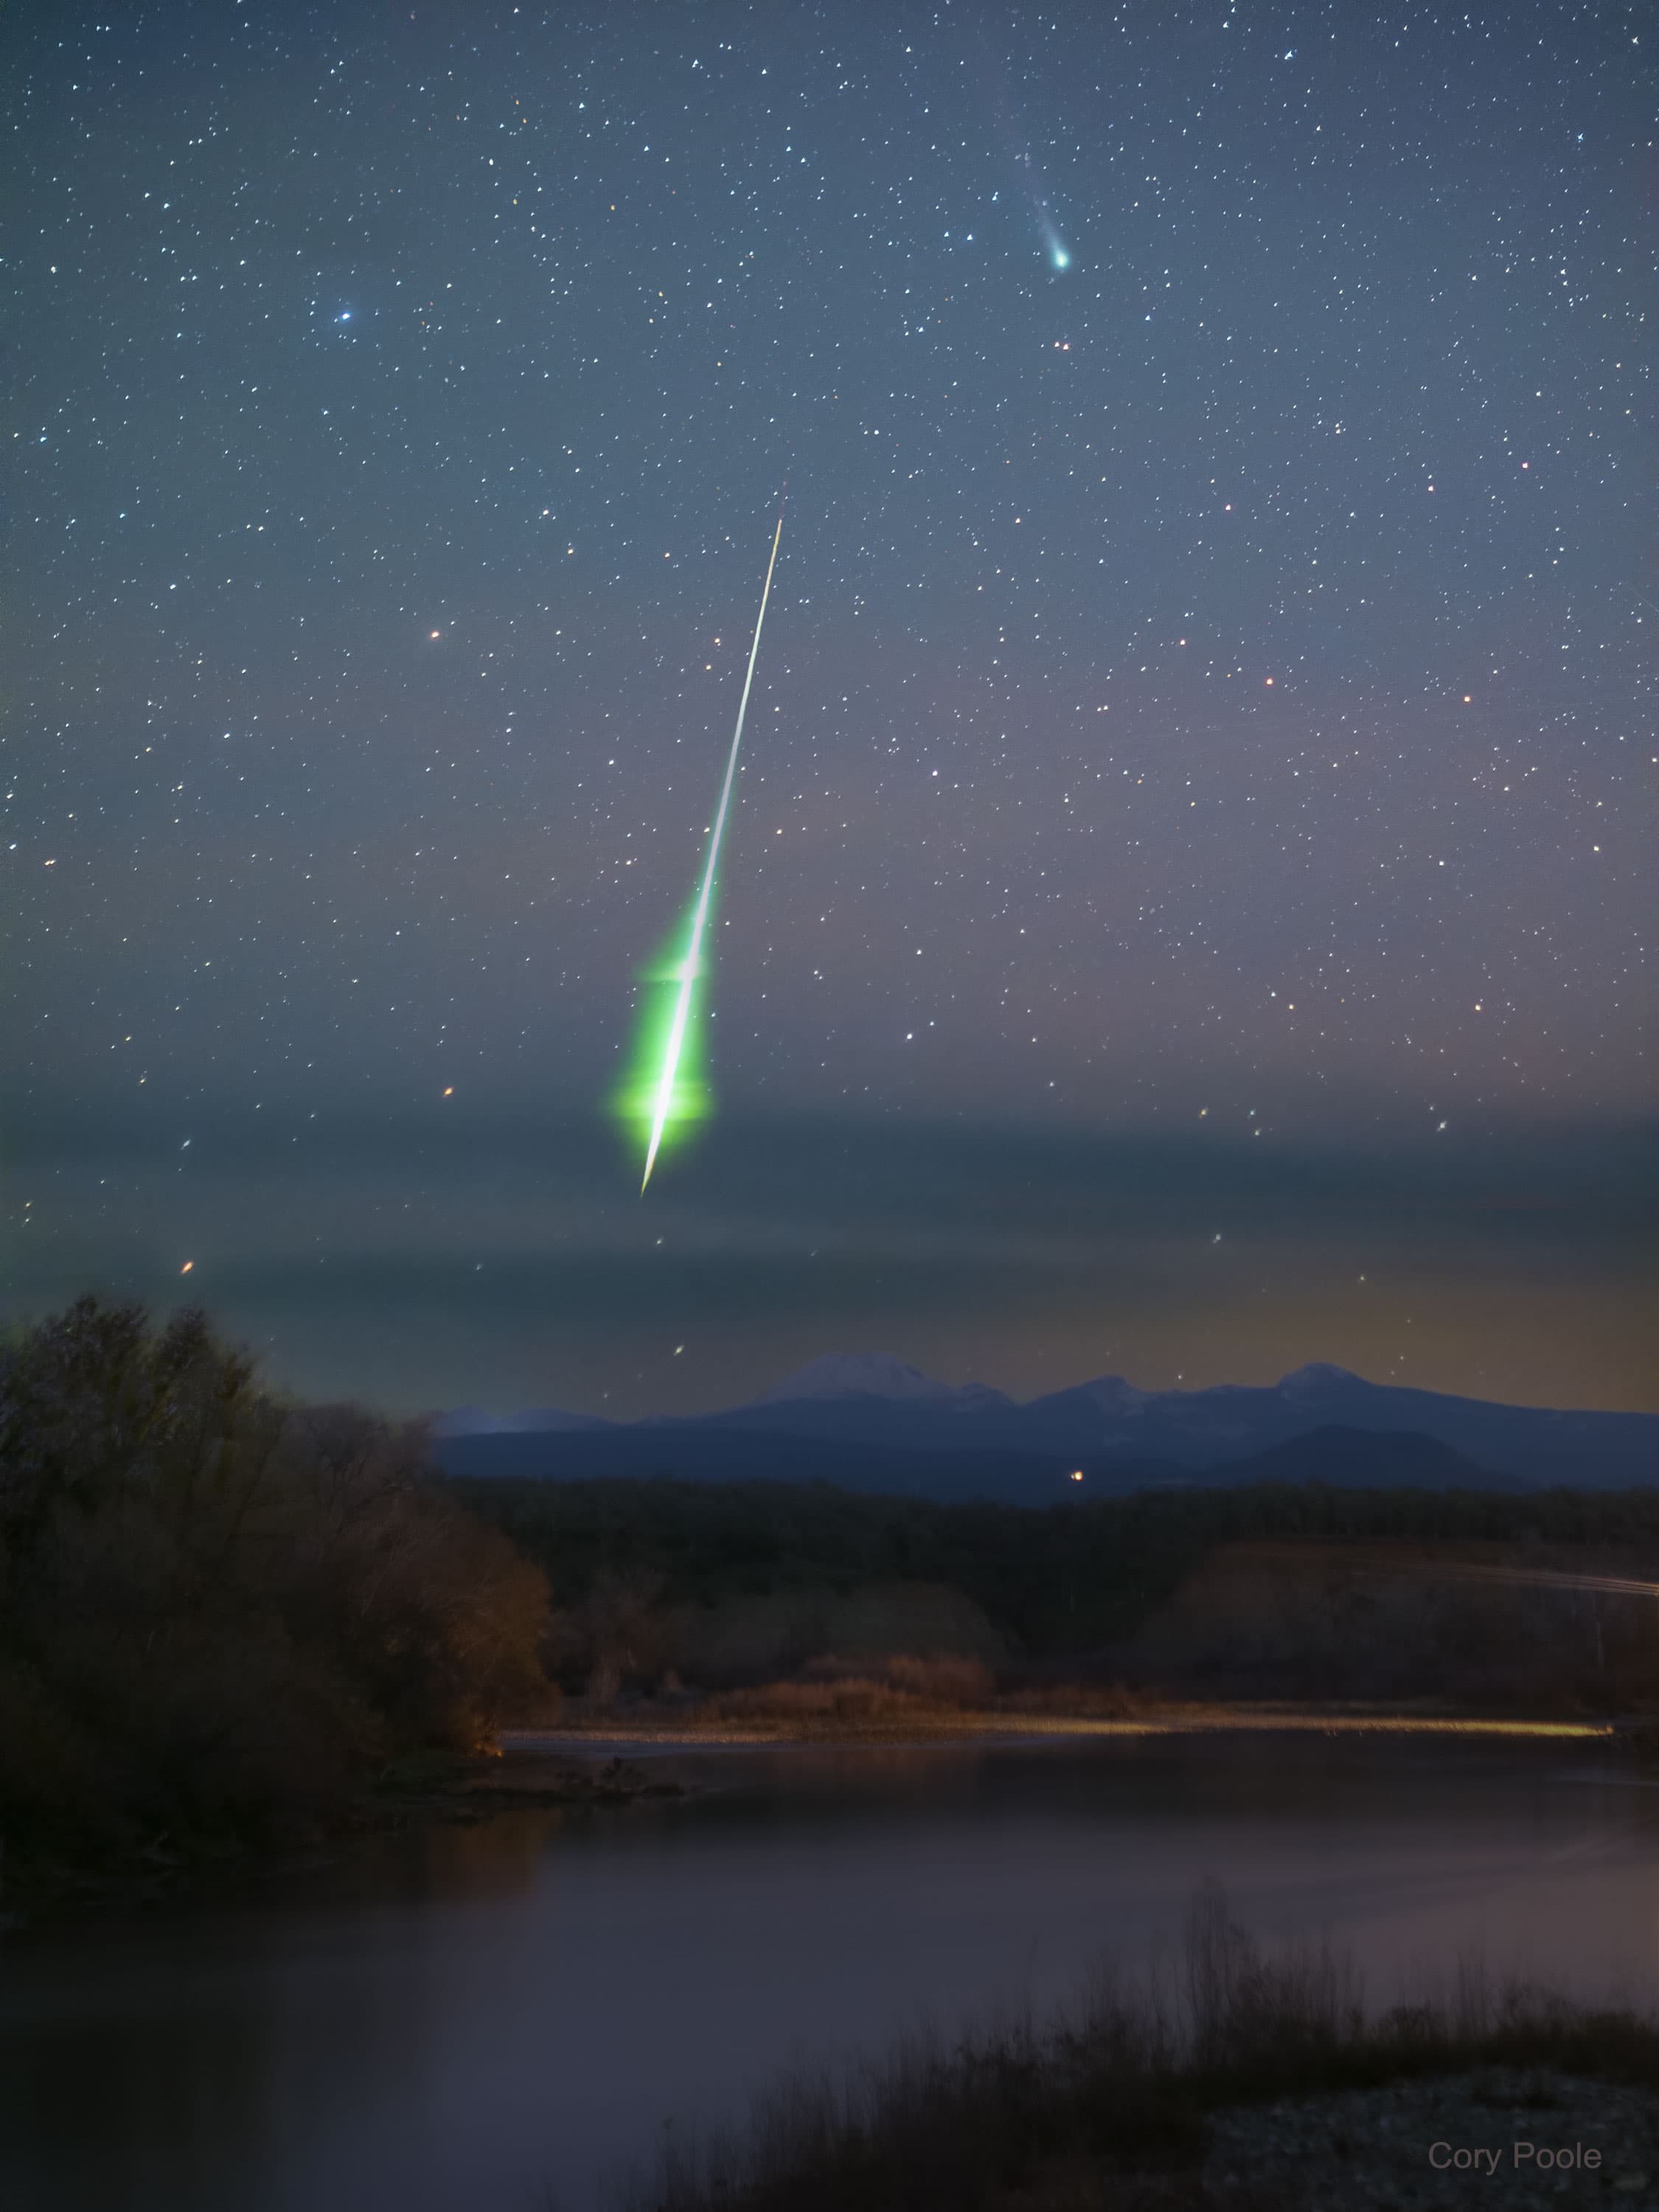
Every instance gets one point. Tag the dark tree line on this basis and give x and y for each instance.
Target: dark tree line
(1073, 1583)
(220, 1614)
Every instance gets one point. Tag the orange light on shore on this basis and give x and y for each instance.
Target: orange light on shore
(1077, 1474)
(188, 1264)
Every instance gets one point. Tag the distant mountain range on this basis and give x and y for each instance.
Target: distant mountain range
(870, 1423)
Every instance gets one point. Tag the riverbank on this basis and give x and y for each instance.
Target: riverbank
(594, 1760)
(426, 1789)
(1232, 2078)
(639, 1729)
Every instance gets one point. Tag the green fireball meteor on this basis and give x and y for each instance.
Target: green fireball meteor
(661, 1098)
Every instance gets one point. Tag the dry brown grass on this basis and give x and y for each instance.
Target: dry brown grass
(906, 1689)
(943, 1680)
(910, 1689)
(851, 1699)
(1111, 2102)
(1101, 1701)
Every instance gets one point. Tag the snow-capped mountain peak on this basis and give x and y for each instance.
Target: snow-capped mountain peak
(1114, 1394)
(1319, 1374)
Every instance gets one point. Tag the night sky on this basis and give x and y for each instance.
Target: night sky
(1184, 909)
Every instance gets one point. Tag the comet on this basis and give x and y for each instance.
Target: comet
(662, 1096)
(1059, 253)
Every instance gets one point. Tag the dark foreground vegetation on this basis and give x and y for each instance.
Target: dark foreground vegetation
(1114, 2106)
(222, 1615)
(1272, 1591)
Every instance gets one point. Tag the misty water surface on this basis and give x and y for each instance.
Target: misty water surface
(468, 2018)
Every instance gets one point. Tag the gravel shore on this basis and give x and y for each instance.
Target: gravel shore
(1397, 2148)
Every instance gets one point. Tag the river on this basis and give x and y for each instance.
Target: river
(500, 2017)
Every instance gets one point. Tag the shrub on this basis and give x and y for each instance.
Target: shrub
(219, 1612)
(899, 1688)
(846, 1698)
(963, 1683)
(1114, 2099)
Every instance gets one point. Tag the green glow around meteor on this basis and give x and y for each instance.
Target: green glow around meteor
(665, 1095)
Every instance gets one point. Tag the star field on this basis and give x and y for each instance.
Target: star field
(1208, 687)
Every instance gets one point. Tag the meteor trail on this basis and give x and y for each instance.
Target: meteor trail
(662, 1103)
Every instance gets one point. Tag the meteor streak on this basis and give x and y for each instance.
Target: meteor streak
(661, 1100)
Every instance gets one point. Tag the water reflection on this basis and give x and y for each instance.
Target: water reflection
(454, 2019)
